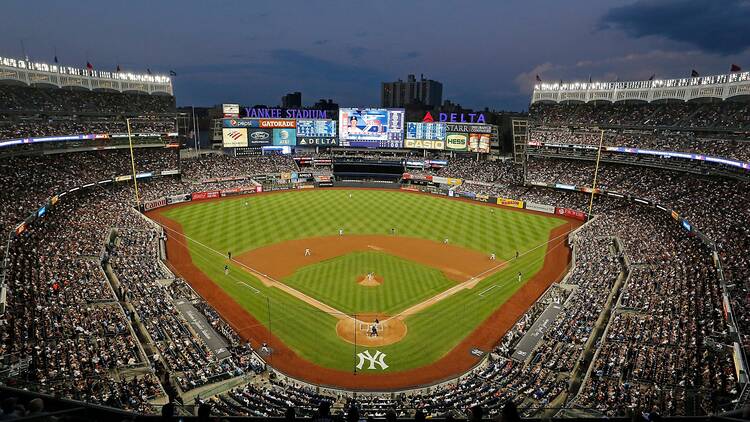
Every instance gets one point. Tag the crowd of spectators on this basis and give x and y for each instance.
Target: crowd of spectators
(216, 166)
(27, 112)
(721, 115)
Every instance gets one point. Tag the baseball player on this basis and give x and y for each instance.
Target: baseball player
(307, 252)
(226, 270)
(519, 276)
(445, 241)
(341, 232)
(492, 256)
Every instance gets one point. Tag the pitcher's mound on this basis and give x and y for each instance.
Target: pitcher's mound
(366, 281)
(390, 331)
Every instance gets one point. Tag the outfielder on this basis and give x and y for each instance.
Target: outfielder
(341, 232)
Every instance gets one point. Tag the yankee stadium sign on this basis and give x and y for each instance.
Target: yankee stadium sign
(277, 113)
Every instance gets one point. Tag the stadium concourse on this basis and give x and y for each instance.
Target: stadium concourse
(649, 314)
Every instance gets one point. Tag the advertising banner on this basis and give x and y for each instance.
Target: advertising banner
(240, 123)
(286, 137)
(424, 144)
(468, 128)
(198, 196)
(156, 203)
(277, 123)
(240, 190)
(259, 137)
(567, 212)
(482, 198)
(176, 199)
(510, 202)
(316, 141)
(549, 209)
(230, 110)
(169, 172)
(457, 142)
(479, 142)
(452, 181)
(371, 127)
(234, 138)
(123, 178)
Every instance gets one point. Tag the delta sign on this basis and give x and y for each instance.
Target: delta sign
(455, 118)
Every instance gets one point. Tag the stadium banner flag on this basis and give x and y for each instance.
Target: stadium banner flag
(424, 144)
(567, 212)
(675, 215)
(156, 203)
(507, 202)
(533, 206)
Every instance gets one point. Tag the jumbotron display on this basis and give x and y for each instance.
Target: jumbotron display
(371, 128)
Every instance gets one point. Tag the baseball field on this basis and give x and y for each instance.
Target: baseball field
(313, 271)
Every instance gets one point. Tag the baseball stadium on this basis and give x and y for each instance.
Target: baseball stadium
(585, 259)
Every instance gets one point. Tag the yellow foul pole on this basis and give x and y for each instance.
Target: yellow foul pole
(132, 163)
(596, 171)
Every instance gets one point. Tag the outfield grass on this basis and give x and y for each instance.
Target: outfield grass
(242, 224)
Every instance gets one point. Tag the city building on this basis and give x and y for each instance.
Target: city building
(426, 92)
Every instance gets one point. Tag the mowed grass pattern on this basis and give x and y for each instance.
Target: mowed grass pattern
(245, 223)
(334, 282)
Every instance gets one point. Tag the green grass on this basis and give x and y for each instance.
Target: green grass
(334, 283)
(231, 225)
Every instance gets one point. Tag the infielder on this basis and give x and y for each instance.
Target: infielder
(307, 252)
(492, 257)
(341, 232)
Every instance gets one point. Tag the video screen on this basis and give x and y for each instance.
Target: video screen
(371, 128)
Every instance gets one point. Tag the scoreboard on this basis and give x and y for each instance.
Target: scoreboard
(426, 131)
(316, 128)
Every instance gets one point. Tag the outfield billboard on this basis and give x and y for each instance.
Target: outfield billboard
(285, 137)
(507, 202)
(457, 142)
(234, 137)
(259, 137)
(549, 209)
(424, 144)
(371, 127)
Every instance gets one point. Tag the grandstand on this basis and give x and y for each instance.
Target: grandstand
(654, 313)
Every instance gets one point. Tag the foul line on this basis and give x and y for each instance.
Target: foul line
(409, 311)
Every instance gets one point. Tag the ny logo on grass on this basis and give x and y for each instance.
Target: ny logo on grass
(377, 358)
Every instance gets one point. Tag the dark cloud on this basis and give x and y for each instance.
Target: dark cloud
(714, 26)
(320, 42)
(357, 52)
(411, 55)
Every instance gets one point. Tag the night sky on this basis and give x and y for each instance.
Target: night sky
(486, 53)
